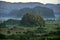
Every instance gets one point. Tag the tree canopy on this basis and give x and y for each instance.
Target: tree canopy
(2, 25)
(30, 19)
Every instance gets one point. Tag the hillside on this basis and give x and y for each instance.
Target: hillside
(15, 10)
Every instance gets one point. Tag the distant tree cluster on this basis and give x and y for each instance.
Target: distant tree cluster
(2, 25)
(32, 20)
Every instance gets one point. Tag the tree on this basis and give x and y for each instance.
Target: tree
(2, 25)
(2, 36)
(32, 20)
(8, 32)
(58, 29)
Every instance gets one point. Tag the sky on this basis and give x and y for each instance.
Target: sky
(42, 1)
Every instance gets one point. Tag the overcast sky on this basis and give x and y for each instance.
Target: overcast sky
(42, 1)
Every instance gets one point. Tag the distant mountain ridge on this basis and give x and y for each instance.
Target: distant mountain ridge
(8, 9)
(44, 12)
(55, 8)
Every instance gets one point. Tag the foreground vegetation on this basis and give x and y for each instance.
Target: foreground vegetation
(25, 30)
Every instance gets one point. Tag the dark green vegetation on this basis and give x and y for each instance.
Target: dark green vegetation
(31, 27)
(32, 20)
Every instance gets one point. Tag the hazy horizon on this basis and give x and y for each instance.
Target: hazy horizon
(7, 8)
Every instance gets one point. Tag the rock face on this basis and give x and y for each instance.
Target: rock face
(43, 11)
(55, 8)
(19, 9)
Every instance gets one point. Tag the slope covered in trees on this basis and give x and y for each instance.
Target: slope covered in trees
(32, 20)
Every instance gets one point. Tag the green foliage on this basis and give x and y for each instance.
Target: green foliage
(11, 22)
(2, 25)
(8, 32)
(32, 20)
(58, 29)
(2, 36)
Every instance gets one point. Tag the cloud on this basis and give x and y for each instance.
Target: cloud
(42, 1)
